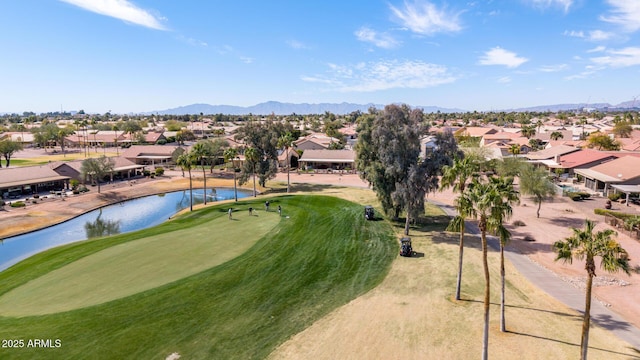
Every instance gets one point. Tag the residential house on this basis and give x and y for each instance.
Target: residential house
(25, 181)
(122, 169)
(622, 171)
(329, 160)
(315, 142)
(152, 154)
(582, 159)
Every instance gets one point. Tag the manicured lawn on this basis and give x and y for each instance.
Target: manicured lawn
(319, 256)
(139, 265)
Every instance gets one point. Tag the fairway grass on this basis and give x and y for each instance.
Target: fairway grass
(319, 256)
(139, 265)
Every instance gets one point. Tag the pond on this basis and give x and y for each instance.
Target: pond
(124, 217)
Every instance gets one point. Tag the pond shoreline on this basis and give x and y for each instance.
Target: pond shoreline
(53, 211)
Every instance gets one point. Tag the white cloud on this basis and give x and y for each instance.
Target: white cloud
(565, 4)
(192, 41)
(504, 80)
(383, 75)
(629, 56)
(295, 44)
(573, 33)
(499, 56)
(597, 49)
(554, 68)
(382, 40)
(424, 18)
(599, 35)
(625, 13)
(246, 59)
(121, 9)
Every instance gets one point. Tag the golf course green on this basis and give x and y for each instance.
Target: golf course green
(200, 285)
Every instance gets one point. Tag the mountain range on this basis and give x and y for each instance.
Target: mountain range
(279, 108)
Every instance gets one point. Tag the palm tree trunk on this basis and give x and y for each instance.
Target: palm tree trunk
(584, 341)
(288, 165)
(407, 221)
(503, 326)
(254, 180)
(204, 177)
(190, 192)
(487, 295)
(460, 253)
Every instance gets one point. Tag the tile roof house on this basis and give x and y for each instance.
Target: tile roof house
(328, 159)
(582, 159)
(17, 181)
(315, 142)
(151, 154)
(122, 168)
(622, 171)
(551, 153)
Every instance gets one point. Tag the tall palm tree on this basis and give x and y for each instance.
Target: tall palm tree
(483, 201)
(509, 196)
(457, 175)
(186, 161)
(587, 244)
(514, 149)
(287, 142)
(201, 153)
(115, 139)
(252, 155)
(229, 155)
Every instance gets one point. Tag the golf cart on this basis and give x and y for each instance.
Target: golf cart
(368, 212)
(405, 247)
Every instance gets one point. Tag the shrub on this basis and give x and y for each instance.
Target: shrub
(36, 196)
(1, 203)
(161, 142)
(18, 204)
(574, 196)
(159, 171)
(146, 172)
(529, 238)
(615, 196)
(34, 201)
(74, 183)
(519, 223)
(584, 195)
(615, 214)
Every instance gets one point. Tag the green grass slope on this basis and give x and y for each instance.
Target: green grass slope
(319, 257)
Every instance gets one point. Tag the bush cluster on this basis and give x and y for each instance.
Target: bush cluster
(576, 196)
(615, 196)
(18, 204)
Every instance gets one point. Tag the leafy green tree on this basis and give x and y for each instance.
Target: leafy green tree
(7, 149)
(535, 181)
(602, 141)
(585, 244)
(510, 166)
(457, 176)
(97, 169)
(528, 131)
(264, 137)
(186, 161)
(252, 156)
(287, 142)
(622, 129)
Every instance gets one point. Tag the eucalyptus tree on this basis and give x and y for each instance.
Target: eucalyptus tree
(96, 168)
(186, 161)
(457, 176)
(286, 141)
(587, 244)
(252, 156)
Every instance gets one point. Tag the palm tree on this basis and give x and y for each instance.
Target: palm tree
(457, 176)
(528, 131)
(587, 244)
(201, 153)
(509, 196)
(185, 161)
(252, 156)
(229, 155)
(483, 201)
(514, 149)
(556, 135)
(115, 139)
(287, 141)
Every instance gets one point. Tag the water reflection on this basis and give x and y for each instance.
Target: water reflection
(101, 227)
(124, 217)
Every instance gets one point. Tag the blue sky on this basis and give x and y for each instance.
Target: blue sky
(144, 55)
